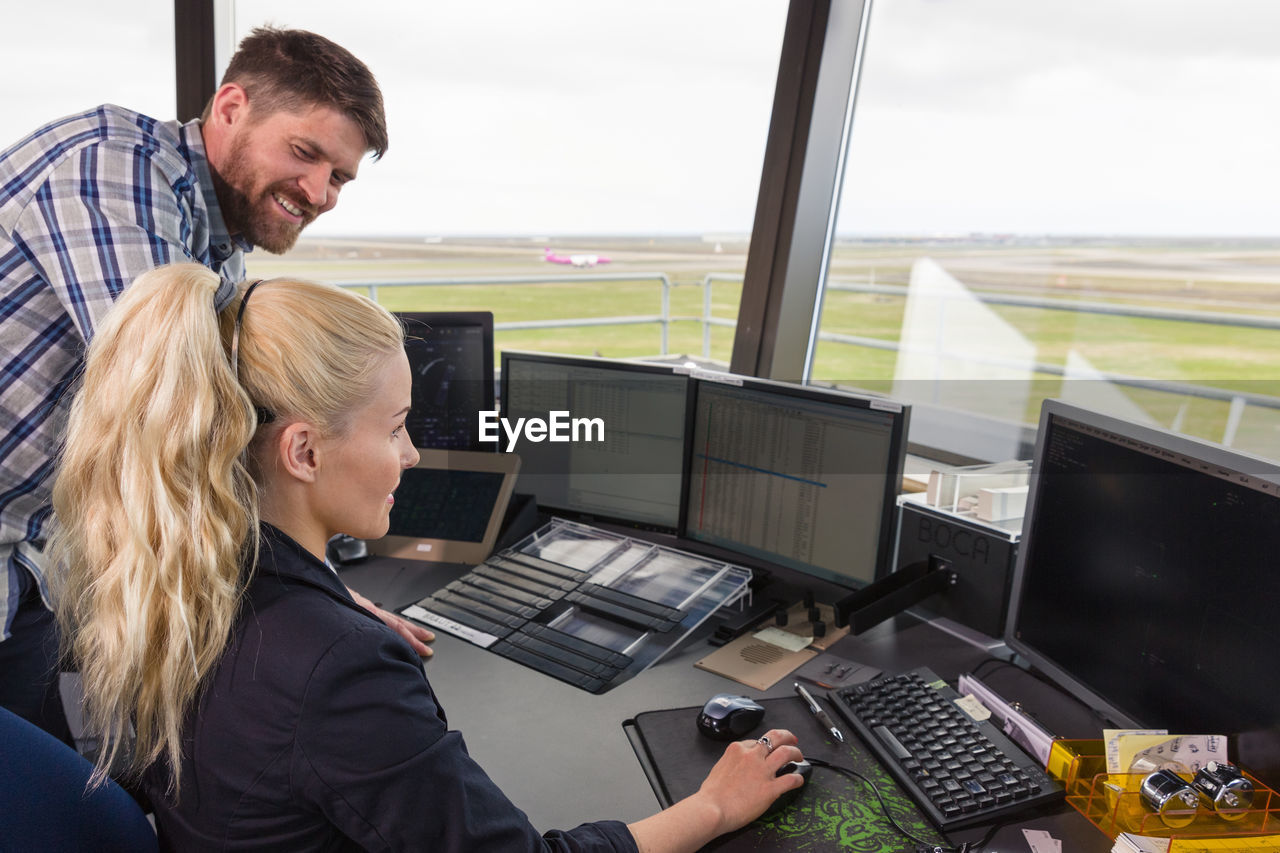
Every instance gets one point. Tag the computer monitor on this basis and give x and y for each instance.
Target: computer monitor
(629, 470)
(795, 475)
(1146, 581)
(451, 356)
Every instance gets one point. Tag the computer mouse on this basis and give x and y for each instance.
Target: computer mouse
(726, 716)
(803, 768)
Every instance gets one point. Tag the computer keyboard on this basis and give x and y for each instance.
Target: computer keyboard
(959, 771)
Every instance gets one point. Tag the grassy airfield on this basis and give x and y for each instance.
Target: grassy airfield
(1219, 279)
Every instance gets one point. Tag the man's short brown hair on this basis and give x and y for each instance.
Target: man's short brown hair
(293, 70)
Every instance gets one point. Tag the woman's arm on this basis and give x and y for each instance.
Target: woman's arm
(739, 788)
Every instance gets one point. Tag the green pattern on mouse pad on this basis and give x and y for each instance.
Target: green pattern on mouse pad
(832, 812)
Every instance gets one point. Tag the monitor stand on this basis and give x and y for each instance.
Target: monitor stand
(889, 596)
(993, 646)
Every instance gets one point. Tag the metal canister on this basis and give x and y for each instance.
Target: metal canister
(1223, 785)
(1171, 797)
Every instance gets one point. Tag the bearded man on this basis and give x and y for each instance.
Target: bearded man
(91, 201)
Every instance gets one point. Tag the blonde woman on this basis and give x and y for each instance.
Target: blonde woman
(209, 458)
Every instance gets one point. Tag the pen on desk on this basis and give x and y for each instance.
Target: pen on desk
(817, 711)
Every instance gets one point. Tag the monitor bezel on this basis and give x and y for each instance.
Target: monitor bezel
(617, 365)
(886, 537)
(1214, 454)
(462, 319)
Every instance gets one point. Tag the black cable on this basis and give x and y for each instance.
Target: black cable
(986, 839)
(988, 662)
(928, 845)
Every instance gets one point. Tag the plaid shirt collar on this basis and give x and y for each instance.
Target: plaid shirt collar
(221, 244)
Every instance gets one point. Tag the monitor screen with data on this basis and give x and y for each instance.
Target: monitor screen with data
(798, 476)
(1146, 581)
(451, 358)
(614, 440)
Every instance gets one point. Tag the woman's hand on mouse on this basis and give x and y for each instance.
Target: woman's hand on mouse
(744, 782)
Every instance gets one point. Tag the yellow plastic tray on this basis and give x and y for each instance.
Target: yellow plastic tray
(1111, 801)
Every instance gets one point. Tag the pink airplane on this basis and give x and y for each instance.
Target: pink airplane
(574, 260)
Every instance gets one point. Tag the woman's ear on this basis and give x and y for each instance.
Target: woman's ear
(298, 451)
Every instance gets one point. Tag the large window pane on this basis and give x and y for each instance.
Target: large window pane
(632, 132)
(1063, 199)
(67, 57)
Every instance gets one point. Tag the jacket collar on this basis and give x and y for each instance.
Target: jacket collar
(280, 555)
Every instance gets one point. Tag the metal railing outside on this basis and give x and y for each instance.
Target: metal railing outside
(664, 317)
(1237, 401)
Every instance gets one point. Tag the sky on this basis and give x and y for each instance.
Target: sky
(610, 116)
(1094, 116)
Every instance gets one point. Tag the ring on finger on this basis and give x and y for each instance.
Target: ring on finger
(768, 744)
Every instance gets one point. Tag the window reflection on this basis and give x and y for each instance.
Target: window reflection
(1092, 185)
(630, 131)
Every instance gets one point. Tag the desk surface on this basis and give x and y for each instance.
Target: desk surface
(519, 723)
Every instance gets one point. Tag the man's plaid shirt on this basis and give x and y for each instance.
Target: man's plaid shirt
(87, 203)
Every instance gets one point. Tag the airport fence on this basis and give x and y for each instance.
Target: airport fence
(1237, 401)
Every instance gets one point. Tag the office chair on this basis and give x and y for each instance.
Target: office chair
(44, 805)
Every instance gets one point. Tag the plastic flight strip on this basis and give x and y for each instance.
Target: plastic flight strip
(435, 620)
(1017, 725)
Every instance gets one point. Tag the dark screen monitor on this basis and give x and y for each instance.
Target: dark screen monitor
(629, 470)
(1146, 581)
(797, 476)
(451, 356)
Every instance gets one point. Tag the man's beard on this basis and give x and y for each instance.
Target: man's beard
(260, 227)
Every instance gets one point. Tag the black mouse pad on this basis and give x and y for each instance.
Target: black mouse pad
(832, 812)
